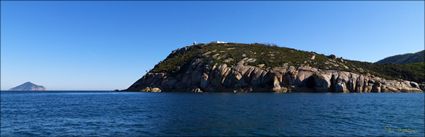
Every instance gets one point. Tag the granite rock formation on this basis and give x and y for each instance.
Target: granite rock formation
(215, 71)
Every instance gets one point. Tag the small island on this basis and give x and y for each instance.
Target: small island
(28, 86)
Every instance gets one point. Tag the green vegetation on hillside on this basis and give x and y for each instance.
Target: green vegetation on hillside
(269, 56)
(413, 71)
(176, 60)
(404, 58)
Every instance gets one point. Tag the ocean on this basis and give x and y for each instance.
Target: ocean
(88, 113)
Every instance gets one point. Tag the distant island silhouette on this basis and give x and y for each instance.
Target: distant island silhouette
(28, 86)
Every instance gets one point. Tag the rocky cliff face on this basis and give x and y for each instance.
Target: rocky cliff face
(203, 73)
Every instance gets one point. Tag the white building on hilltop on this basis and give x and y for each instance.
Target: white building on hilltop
(218, 42)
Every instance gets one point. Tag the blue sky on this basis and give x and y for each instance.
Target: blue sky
(108, 45)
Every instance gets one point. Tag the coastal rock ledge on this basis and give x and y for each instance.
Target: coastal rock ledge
(202, 74)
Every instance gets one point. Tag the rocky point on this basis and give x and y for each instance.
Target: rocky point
(234, 67)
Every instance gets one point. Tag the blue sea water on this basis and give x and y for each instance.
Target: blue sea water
(210, 114)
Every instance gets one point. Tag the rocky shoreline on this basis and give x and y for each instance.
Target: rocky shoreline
(201, 77)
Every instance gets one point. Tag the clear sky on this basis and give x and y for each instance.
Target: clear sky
(108, 45)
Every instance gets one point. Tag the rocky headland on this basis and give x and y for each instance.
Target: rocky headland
(236, 67)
